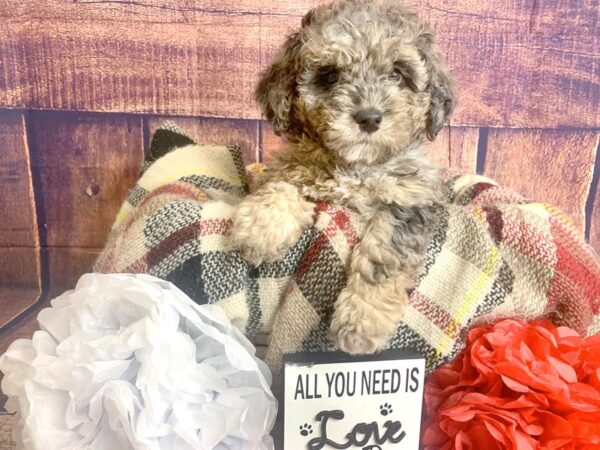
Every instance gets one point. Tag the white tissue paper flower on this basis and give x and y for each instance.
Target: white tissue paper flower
(131, 362)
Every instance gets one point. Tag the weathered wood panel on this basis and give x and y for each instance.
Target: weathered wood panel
(514, 60)
(7, 422)
(86, 163)
(164, 11)
(455, 147)
(551, 166)
(14, 300)
(204, 68)
(18, 225)
(66, 265)
(438, 151)
(217, 131)
(463, 148)
(20, 269)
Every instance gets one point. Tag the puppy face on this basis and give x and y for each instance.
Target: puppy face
(363, 78)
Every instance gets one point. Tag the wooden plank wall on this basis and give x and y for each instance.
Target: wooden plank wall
(83, 84)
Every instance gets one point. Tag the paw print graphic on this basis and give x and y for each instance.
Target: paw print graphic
(385, 409)
(306, 429)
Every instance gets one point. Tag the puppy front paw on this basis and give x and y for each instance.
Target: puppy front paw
(367, 315)
(266, 224)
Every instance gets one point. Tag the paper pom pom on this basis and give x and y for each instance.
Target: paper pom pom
(129, 361)
(517, 385)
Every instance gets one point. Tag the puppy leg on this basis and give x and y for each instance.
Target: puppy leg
(269, 221)
(369, 309)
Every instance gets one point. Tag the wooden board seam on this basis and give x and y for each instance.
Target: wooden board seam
(593, 201)
(40, 214)
(482, 144)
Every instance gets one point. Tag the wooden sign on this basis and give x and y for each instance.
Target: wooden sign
(337, 401)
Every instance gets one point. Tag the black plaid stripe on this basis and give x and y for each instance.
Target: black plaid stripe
(254, 324)
(325, 278)
(238, 161)
(318, 339)
(172, 218)
(436, 244)
(145, 166)
(187, 276)
(167, 138)
(136, 195)
(217, 184)
(501, 289)
(169, 262)
(224, 274)
(287, 266)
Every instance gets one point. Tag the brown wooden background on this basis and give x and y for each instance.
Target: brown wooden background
(83, 84)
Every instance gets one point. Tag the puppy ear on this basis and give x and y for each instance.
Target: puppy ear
(277, 86)
(440, 87)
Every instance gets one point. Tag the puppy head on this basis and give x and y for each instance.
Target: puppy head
(363, 78)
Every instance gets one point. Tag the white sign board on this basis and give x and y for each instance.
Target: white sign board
(333, 400)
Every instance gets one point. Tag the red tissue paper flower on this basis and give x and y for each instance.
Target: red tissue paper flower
(517, 385)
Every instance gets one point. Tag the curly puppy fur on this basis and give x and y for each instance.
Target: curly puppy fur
(355, 91)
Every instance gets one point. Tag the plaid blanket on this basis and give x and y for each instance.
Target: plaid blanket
(494, 254)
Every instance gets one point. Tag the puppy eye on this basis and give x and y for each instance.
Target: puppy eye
(396, 75)
(327, 77)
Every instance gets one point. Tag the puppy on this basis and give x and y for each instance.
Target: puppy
(355, 91)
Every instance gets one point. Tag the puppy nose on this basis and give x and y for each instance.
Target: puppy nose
(368, 119)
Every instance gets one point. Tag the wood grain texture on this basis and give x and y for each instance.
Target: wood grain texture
(18, 226)
(20, 268)
(521, 63)
(438, 151)
(66, 265)
(463, 148)
(455, 147)
(269, 142)
(86, 165)
(164, 11)
(203, 68)
(514, 61)
(216, 131)
(15, 301)
(20, 265)
(552, 166)
(6, 424)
